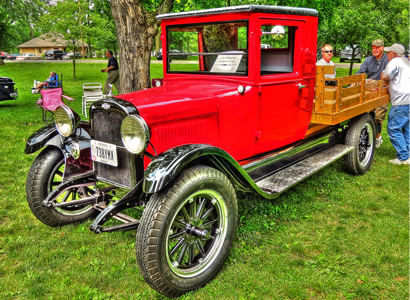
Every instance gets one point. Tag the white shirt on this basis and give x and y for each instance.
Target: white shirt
(398, 70)
(322, 62)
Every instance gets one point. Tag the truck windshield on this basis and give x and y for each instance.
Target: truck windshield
(213, 48)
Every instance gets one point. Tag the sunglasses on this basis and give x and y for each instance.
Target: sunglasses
(327, 51)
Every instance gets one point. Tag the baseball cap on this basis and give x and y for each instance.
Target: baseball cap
(399, 49)
(378, 43)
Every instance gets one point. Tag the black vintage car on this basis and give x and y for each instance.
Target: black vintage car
(7, 91)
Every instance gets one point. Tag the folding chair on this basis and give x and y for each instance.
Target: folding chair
(92, 92)
(55, 84)
(50, 100)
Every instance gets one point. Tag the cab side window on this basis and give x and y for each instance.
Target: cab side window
(277, 49)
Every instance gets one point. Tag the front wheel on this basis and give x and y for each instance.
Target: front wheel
(46, 174)
(186, 231)
(362, 135)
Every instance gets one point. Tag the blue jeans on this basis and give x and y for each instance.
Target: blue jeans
(398, 130)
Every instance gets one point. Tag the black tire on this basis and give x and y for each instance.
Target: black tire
(362, 135)
(60, 58)
(39, 58)
(28, 58)
(46, 173)
(341, 60)
(171, 219)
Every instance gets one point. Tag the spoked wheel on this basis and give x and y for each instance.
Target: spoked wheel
(186, 231)
(197, 233)
(362, 135)
(45, 175)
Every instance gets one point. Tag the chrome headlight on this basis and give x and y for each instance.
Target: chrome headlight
(135, 134)
(66, 120)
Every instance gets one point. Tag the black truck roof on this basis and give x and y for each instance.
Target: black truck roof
(271, 9)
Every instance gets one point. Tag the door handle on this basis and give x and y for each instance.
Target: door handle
(301, 86)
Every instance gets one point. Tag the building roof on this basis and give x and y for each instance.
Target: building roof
(43, 41)
(270, 9)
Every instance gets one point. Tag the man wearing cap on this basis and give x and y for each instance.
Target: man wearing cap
(327, 53)
(397, 72)
(373, 66)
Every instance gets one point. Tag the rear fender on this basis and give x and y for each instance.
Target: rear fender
(49, 136)
(166, 166)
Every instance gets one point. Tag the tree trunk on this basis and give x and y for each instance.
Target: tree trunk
(352, 60)
(136, 31)
(74, 61)
(158, 41)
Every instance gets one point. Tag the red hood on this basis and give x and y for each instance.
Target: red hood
(187, 99)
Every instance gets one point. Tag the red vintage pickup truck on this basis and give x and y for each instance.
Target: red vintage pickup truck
(253, 113)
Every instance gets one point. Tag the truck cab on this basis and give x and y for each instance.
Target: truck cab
(251, 112)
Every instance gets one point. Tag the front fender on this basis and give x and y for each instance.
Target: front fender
(44, 136)
(49, 136)
(167, 165)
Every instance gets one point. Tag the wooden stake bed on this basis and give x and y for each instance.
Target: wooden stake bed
(333, 105)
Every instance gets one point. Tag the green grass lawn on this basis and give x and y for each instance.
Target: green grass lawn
(334, 236)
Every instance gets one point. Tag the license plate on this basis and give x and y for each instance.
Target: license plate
(104, 153)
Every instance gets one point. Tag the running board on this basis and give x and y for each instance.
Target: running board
(288, 177)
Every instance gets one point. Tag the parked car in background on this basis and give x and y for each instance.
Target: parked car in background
(266, 46)
(174, 54)
(28, 56)
(13, 56)
(71, 55)
(346, 54)
(54, 54)
(3, 55)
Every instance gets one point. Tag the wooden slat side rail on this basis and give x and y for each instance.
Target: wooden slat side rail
(351, 79)
(362, 88)
(350, 101)
(328, 69)
(319, 89)
(372, 85)
(346, 92)
(380, 88)
(338, 96)
(336, 118)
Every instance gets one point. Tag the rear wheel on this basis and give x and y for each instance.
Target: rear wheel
(186, 231)
(46, 174)
(362, 135)
(341, 60)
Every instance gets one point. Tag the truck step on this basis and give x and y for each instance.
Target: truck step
(288, 177)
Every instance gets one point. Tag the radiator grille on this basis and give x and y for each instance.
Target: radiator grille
(106, 127)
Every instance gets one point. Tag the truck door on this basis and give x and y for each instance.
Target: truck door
(283, 108)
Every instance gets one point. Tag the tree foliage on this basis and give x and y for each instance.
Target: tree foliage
(74, 21)
(357, 23)
(18, 19)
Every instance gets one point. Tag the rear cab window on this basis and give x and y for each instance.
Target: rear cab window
(277, 49)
